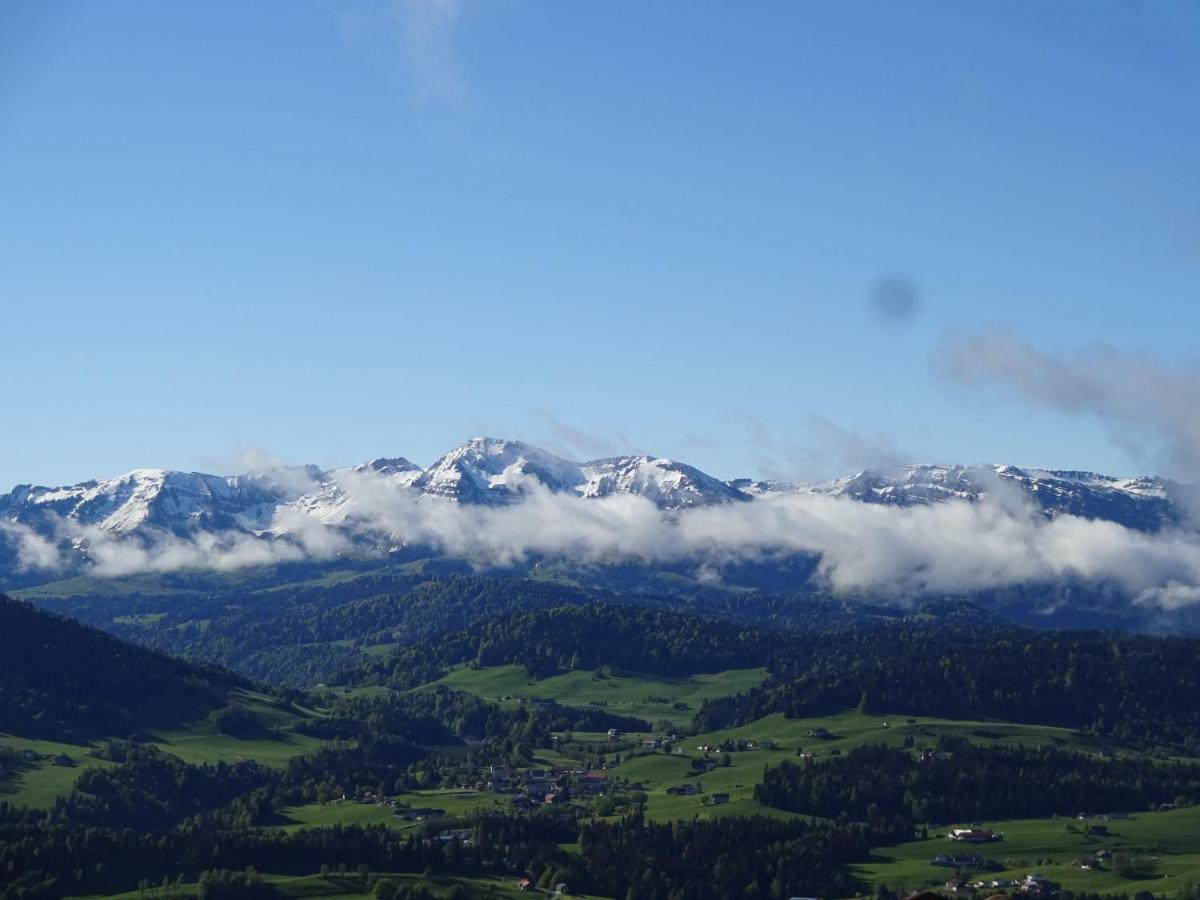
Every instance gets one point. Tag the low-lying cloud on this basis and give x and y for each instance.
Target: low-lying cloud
(950, 547)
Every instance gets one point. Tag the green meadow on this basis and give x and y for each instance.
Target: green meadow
(656, 771)
(39, 783)
(348, 886)
(199, 742)
(347, 812)
(1050, 846)
(651, 697)
(1054, 848)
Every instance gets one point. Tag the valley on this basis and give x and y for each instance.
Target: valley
(458, 714)
(490, 449)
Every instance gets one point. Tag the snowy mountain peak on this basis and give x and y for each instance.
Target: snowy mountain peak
(1143, 503)
(286, 502)
(669, 484)
(492, 470)
(168, 500)
(383, 466)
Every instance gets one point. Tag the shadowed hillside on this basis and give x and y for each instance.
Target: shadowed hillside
(64, 680)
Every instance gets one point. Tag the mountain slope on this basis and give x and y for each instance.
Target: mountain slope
(489, 470)
(669, 484)
(177, 502)
(331, 500)
(1145, 504)
(586, 636)
(157, 520)
(67, 681)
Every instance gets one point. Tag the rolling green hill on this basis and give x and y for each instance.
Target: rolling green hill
(68, 681)
(459, 759)
(68, 688)
(299, 625)
(674, 699)
(1054, 847)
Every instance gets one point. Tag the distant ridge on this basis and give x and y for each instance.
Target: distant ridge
(295, 506)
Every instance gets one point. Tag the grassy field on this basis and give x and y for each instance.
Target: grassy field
(117, 588)
(657, 771)
(651, 697)
(851, 728)
(1048, 847)
(454, 802)
(341, 812)
(42, 782)
(199, 742)
(344, 887)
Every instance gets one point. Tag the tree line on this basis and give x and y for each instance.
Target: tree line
(961, 781)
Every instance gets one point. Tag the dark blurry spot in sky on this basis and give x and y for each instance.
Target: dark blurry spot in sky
(895, 300)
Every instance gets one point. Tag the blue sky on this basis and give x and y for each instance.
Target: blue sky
(331, 231)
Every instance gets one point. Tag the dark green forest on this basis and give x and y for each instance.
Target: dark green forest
(960, 781)
(65, 680)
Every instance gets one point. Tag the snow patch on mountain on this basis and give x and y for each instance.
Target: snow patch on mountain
(331, 500)
(490, 470)
(1143, 503)
(905, 531)
(669, 484)
(172, 501)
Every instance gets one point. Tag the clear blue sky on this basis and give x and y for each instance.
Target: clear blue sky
(334, 231)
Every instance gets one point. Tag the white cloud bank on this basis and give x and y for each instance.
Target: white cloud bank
(949, 547)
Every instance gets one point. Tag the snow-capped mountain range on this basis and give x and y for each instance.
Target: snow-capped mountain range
(1143, 503)
(488, 471)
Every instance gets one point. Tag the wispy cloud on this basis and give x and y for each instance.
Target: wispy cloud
(575, 442)
(1133, 395)
(826, 450)
(833, 449)
(426, 32)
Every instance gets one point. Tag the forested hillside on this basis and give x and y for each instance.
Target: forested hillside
(299, 634)
(65, 680)
(1126, 687)
(548, 641)
(960, 781)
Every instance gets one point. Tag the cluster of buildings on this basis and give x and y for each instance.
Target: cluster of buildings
(60, 759)
(405, 813)
(533, 787)
(974, 835)
(1096, 861)
(974, 861)
(616, 735)
(402, 812)
(1033, 884)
